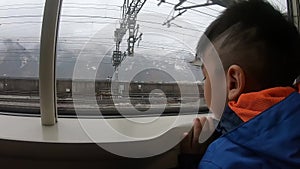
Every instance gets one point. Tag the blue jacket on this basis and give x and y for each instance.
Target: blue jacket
(270, 140)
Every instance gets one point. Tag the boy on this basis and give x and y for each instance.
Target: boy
(259, 52)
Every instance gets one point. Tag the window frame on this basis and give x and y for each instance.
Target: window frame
(47, 66)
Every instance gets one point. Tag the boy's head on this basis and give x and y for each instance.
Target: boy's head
(257, 46)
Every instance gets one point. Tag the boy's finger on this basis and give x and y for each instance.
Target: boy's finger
(197, 129)
(210, 121)
(207, 129)
(203, 120)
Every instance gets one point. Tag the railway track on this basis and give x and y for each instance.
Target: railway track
(86, 107)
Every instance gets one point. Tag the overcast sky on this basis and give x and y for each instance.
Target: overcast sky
(19, 18)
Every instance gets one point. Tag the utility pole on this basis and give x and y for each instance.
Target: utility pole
(131, 8)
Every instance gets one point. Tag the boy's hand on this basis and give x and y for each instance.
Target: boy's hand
(202, 131)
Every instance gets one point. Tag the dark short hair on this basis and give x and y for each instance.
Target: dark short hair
(260, 40)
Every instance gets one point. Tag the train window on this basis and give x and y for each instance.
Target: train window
(20, 27)
(106, 60)
(121, 57)
(281, 5)
(117, 57)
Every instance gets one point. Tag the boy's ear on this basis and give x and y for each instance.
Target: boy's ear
(236, 80)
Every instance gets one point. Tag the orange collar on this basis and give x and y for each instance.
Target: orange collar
(251, 104)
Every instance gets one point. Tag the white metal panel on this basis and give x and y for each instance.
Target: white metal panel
(73, 130)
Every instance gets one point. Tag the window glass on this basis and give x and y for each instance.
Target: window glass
(89, 72)
(281, 5)
(145, 68)
(20, 29)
